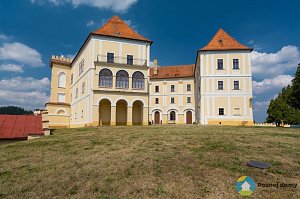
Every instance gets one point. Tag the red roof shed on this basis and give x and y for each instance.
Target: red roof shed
(20, 126)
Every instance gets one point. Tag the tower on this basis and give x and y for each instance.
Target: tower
(224, 81)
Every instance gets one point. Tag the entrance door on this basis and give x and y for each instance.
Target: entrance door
(189, 118)
(156, 118)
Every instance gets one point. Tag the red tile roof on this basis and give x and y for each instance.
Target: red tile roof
(223, 41)
(20, 126)
(180, 71)
(116, 27)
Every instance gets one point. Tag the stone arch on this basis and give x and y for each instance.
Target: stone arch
(173, 115)
(122, 98)
(107, 98)
(137, 112)
(185, 112)
(104, 112)
(121, 112)
(157, 116)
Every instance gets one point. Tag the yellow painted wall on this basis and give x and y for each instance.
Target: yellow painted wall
(211, 99)
(56, 69)
(180, 98)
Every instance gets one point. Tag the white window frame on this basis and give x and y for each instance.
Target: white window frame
(61, 97)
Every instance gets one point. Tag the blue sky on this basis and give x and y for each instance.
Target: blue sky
(32, 30)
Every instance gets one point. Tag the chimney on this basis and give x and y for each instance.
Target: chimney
(155, 66)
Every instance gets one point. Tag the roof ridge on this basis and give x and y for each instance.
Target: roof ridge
(107, 22)
(175, 65)
(117, 27)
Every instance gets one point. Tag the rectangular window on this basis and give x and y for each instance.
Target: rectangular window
(188, 100)
(81, 67)
(188, 87)
(236, 85)
(220, 64)
(61, 97)
(83, 87)
(220, 85)
(130, 59)
(236, 64)
(76, 94)
(156, 100)
(157, 89)
(110, 57)
(172, 100)
(221, 111)
(172, 88)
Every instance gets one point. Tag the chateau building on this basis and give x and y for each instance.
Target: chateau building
(110, 82)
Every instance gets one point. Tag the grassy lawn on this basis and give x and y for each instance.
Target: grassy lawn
(150, 162)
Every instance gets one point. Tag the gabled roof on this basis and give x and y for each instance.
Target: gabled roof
(116, 27)
(223, 41)
(166, 72)
(20, 126)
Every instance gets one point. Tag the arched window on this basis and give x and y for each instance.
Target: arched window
(105, 78)
(62, 80)
(138, 80)
(61, 112)
(172, 116)
(122, 79)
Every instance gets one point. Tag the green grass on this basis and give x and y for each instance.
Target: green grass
(150, 162)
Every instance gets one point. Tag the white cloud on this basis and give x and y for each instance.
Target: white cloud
(26, 92)
(128, 22)
(251, 42)
(25, 84)
(260, 105)
(11, 68)
(3, 37)
(276, 83)
(115, 5)
(90, 23)
(271, 72)
(71, 56)
(21, 53)
(27, 100)
(270, 65)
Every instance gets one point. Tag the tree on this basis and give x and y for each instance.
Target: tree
(286, 107)
(295, 96)
(278, 111)
(13, 110)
